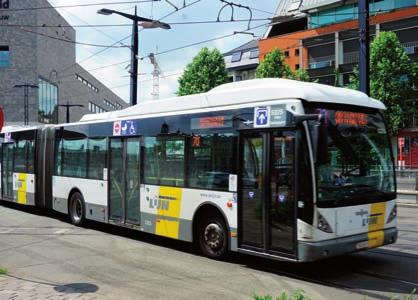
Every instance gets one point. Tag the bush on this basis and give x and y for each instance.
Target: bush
(296, 295)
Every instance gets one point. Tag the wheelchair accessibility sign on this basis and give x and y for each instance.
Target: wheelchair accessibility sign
(123, 128)
(262, 116)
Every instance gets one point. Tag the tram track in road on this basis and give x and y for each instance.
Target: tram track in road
(389, 278)
(397, 254)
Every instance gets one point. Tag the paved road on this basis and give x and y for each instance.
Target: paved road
(47, 258)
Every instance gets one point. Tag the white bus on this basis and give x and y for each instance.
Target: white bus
(272, 167)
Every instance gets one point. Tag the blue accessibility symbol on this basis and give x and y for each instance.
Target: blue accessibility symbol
(261, 117)
(129, 128)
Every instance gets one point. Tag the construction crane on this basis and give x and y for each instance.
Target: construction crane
(156, 77)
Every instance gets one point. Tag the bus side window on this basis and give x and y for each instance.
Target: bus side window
(211, 161)
(75, 158)
(97, 152)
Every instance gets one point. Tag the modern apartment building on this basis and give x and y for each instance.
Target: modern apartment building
(242, 61)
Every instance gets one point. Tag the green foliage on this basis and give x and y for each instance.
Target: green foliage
(392, 76)
(206, 71)
(3, 271)
(273, 66)
(409, 297)
(301, 75)
(296, 295)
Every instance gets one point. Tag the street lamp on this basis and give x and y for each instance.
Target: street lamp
(68, 106)
(145, 23)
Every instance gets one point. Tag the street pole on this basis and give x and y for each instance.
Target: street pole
(26, 87)
(68, 106)
(134, 61)
(146, 24)
(364, 41)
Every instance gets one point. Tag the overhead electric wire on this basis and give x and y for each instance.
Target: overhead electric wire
(78, 5)
(130, 25)
(70, 41)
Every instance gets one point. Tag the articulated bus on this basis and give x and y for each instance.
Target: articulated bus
(277, 168)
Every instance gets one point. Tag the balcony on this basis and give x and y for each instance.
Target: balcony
(351, 57)
(321, 62)
(411, 47)
(411, 120)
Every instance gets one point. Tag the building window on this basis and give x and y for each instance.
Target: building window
(113, 106)
(86, 83)
(296, 52)
(47, 102)
(96, 109)
(4, 57)
(254, 53)
(286, 53)
(297, 67)
(236, 57)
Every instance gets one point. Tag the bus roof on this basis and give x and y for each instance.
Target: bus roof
(232, 94)
(244, 92)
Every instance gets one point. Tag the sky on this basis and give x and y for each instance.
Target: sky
(171, 63)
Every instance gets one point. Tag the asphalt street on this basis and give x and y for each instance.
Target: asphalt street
(47, 258)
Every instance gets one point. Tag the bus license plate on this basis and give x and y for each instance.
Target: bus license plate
(362, 245)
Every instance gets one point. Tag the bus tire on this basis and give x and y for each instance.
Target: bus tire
(77, 209)
(213, 237)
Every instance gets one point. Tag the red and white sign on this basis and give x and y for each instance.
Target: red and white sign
(117, 128)
(401, 142)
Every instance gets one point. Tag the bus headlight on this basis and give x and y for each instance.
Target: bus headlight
(323, 224)
(393, 214)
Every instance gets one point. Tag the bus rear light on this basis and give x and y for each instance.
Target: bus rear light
(393, 214)
(323, 224)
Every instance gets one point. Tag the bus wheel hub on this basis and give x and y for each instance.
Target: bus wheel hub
(213, 236)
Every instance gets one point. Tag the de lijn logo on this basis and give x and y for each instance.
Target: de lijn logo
(4, 4)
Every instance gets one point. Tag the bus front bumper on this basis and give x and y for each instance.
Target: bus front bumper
(311, 251)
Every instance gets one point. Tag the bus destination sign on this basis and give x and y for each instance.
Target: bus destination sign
(211, 122)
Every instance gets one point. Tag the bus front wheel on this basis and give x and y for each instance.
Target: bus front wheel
(213, 238)
(77, 209)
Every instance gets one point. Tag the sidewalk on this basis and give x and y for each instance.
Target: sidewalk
(14, 288)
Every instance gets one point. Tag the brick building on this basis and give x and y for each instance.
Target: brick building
(321, 36)
(37, 48)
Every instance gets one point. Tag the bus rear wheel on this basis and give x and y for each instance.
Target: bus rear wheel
(213, 238)
(77, 209)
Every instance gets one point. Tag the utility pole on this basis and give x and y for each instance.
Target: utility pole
(364, 46)
(146, 24)
(68, 106)
(26, 87)
(134, 61)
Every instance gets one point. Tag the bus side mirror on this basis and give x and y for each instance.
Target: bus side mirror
(319, 137)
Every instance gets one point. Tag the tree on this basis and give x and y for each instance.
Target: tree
(274, 66)
(392, 76)
(206, 71)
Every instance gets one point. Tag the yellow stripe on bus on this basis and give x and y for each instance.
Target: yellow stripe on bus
(170, 205)
(376, 224)
(21, 188)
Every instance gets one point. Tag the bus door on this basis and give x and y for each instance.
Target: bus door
(267, 217)
(7, 170)
(124, 176)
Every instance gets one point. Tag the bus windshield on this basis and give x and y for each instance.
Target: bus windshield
(354, 164)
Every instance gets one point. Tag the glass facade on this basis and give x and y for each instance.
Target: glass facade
(4, 57)
(48, 102)
(350, 12)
